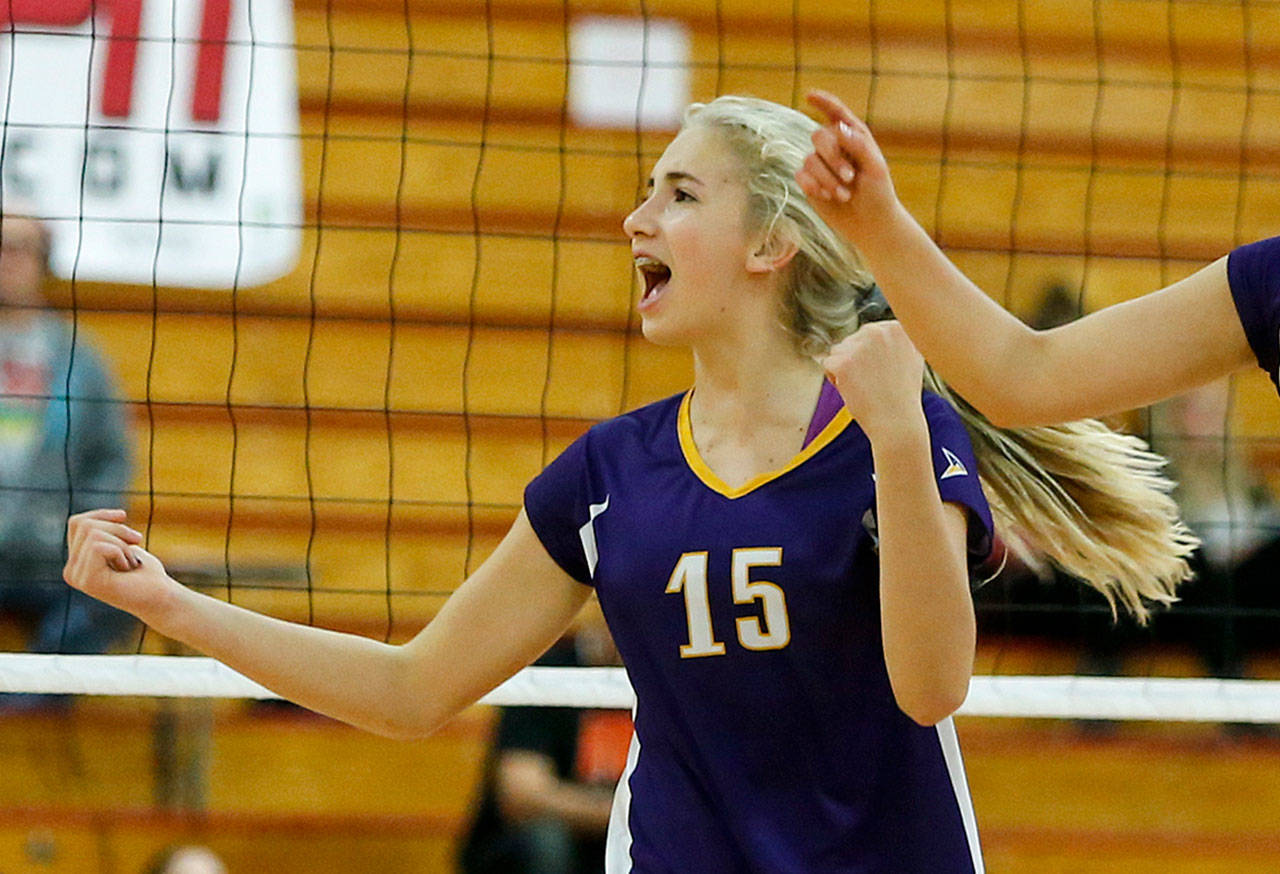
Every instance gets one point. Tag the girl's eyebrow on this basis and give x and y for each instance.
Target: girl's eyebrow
(676, 176)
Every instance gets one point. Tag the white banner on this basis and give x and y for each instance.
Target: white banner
(159, 139)
(626, 72)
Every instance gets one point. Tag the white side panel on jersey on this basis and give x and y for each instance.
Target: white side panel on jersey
(587, 534)
(617, 845)
(955, 767)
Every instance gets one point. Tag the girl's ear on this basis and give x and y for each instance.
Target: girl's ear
(774, 253)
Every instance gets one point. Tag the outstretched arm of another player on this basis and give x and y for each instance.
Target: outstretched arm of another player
(926, 613)
(1115, 359)
(507, 613)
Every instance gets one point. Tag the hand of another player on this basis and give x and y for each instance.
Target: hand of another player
(106, 560)
(846, 177)
(879, 374)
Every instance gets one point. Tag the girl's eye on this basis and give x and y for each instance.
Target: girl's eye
(681, 196)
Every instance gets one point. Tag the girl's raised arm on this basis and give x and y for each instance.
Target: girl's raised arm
(1115, 359)
(505, 615)
(926, 615)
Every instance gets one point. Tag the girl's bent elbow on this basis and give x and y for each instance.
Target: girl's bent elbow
(931, 714)
(406, 728)
(400, 732)
(410, 721)
(930, 709)
(1012, 410)
(929, 717)
(1021, 414)
(1023, 394)
(1003, 416)
(1034, 395)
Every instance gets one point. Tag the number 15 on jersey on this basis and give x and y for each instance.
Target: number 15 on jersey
(770, 630)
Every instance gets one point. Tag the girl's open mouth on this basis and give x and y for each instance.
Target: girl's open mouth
(655, 274)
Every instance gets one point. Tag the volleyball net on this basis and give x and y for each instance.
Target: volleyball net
(358, 269)
(1073, 697)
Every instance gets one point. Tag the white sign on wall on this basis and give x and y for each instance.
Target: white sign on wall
(628, 72)
(159, 139)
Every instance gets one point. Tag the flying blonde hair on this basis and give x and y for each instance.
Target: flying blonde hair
(1090, 499)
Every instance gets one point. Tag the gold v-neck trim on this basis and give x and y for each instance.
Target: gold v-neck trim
(684, 426)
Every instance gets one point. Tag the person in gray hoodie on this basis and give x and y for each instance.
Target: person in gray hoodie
(64, 447)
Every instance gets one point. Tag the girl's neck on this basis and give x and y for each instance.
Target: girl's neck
(765, 384)
(750, 411)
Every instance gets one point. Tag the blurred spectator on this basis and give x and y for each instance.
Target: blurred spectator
(185, 859)
(549, 781)
(1226, 501)
(63, 449)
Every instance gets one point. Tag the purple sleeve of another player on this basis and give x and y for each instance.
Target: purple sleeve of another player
(1254, 274)
(556, 503)
(956, 469)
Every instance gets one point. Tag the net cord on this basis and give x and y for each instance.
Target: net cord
(1063, 697)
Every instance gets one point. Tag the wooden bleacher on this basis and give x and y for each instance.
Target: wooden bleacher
(286, 791)
(1122, 188)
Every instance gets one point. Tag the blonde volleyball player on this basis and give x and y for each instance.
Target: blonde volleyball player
(783, 560)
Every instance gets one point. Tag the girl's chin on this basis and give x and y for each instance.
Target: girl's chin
(661, 334)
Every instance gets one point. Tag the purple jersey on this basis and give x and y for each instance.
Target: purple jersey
(767, 738)
(1254, 274)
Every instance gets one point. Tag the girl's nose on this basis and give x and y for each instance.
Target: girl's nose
(637, 221)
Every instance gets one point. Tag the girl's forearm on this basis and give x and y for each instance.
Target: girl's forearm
(512, 608)
(298, 662)
(981, 349)
(1122, 356)
(927, 618)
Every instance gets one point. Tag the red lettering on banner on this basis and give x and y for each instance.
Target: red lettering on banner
(59, 13)
(206, 96)
(122, 57)
(122, 47)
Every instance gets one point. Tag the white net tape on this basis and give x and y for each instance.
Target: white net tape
(1071, 697)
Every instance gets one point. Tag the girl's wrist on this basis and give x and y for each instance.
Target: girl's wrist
(904, 426)
(888, 227)
(168, 611)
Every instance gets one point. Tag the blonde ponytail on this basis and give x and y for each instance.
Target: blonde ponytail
(1090, 499)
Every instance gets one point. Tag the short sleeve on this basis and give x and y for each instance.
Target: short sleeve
(557, 503)
(1253, 271)
(956, 470)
